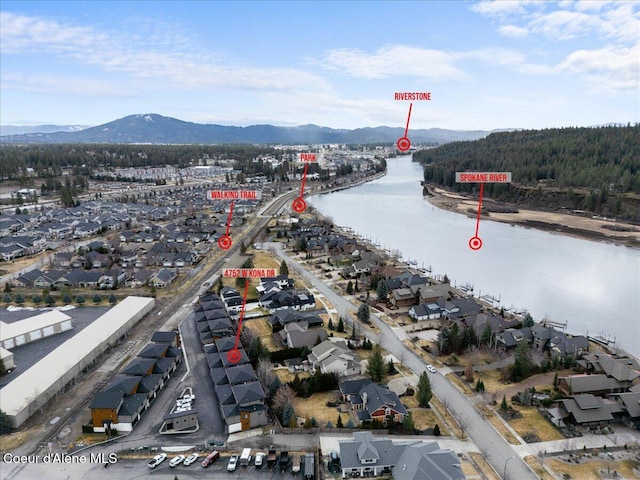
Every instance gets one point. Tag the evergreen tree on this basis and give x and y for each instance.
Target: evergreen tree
(329, 424)
(349, 288)
(363, 312)
(112, 299)
(339, 424)
(350, 424)
(423, 390)
(5, 423)
(284, 269)
(314, 422)
(287, 415)
(37, 299)
(436, 430)
(340, 325)
(408, 425)
(66, 299)
(330, 324)
(50, 300)
(503, 405)
(382, 290)
(97, 298)
(528, 320)
(6, 298)
(485, 339)
(555, 381)
(376, 368)
(80, 300)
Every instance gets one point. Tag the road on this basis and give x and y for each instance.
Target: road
(497, 451)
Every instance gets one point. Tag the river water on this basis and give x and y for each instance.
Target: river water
(593, 286)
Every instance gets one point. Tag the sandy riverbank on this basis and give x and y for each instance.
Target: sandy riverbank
(588, 228)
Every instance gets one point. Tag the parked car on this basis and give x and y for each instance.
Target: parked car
(233, 463)
(157, 460)
(190, 459)
(212, 457)
(175, 461)
(431, 368)
(259, 461)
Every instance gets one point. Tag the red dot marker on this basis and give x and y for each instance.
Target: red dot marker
(403, 144)
(224, 242)
(234, 355)
(475, 243)
(299, 205)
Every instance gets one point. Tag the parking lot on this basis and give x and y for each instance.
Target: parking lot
(216, 470)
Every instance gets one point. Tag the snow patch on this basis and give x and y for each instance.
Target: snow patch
(148, 118)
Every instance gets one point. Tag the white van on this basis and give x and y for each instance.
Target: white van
(245, 458)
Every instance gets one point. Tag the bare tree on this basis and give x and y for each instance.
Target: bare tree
(283, 397)
(265, 374)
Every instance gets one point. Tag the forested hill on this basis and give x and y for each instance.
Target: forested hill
(595, 169)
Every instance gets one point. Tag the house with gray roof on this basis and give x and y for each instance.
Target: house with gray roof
(589, 410)
(367, 455)
(296, 335)
(371, 401)
(334, 357)
(597, 384)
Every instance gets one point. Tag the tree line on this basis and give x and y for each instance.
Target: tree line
(594, 169)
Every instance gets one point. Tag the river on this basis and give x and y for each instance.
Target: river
(593, 286)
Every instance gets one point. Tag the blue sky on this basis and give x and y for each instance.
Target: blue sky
(488, 64)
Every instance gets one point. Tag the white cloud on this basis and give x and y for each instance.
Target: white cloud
(493, 8)
(608, 68)
(172, 60)
(59, 85)
(565, 20)
(513, 31)
(433, 65)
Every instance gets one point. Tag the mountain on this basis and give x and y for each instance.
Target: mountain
(153, 128)
(6, 130)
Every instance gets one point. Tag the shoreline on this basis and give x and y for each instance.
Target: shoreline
(458, 204)
(586, 228)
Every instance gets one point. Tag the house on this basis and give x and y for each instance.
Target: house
(511, 337)
(630, 406)
(403, 297)
(459, 307)
(624, 370)
(334, 357)
(138, 279)
(296, 335)
(596, 384)
(425, 311)
(588, 410)
(368, 456)
(295, 299)
(371, 401)
(163, 278)
(283, 317)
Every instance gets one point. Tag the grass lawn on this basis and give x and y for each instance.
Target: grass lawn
(468, 469)
(460, 384)
(316, 406)
(533, 422)
(13, 440)
(487, 471)
(285, 376)
(492, 417)
(491, 380)
(452, 425)
(261, 328)
(590, 470)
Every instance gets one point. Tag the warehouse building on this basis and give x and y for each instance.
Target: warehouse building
(36, 386)
(33, 328)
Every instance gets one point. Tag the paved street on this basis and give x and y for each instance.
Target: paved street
(498, 452)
